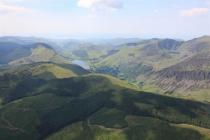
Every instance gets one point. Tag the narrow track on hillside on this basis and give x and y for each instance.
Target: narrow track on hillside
(10, 126)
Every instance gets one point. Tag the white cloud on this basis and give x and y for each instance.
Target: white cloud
(100, 4)
(195, 12)
(5, 9)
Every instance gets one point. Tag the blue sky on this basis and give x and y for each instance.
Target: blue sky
(105, 18)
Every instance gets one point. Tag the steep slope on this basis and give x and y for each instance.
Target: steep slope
(140, 58)
(17, 50)
(178, 68)
(191, 76)
(12, 51)
(40, 53)
(106, 110)
(16, 80)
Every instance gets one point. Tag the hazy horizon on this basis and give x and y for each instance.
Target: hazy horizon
(98, 38)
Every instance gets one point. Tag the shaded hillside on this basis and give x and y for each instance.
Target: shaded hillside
(12, 51)
(20, 51)
(104, 108)
(23, 78)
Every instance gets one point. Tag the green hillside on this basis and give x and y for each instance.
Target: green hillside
(16, 81)
(44, 98)
(92, 107)
(43, 69)
(15, 52)
(40, 52)
(164, 66)
(144, 128)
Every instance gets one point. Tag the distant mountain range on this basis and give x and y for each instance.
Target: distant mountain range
(166, 66)
(179, 68)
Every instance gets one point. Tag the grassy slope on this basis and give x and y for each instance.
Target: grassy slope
(139, 128)
(95, 97)
(193, 55)
(148, 53)
(204, 131)
(83, 131)
(40, 69)
(118, 82)
(154, 56)
(57, 71)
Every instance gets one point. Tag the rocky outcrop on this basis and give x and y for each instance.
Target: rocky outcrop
(169, 44)
(172, 81)
(185, 75)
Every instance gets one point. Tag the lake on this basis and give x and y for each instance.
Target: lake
(82, 64)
